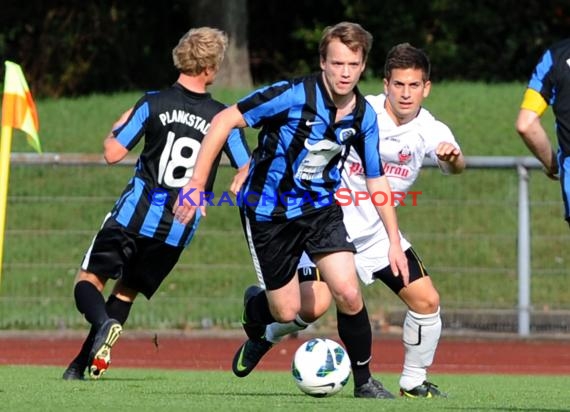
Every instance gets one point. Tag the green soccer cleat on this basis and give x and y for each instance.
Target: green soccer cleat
(425, 390)
(248, 356)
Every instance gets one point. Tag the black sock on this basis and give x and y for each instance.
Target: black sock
(90, 302)
(116, 309)
(257, 310)
(83, 355)
(356, 334)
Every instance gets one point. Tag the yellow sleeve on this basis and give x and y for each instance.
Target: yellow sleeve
(534, 101)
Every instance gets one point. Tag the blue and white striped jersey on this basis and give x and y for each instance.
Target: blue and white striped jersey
(551, 78)
(295, 167)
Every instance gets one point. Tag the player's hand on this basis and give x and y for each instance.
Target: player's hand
(239, 178)
(552, 171)
(552, 175)
(447, 152)
(188, 200)
(399, 262)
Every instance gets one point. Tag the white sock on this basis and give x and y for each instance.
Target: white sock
(420, 336)
(275, 331)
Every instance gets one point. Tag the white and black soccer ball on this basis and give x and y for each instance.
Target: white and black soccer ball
(320, 367)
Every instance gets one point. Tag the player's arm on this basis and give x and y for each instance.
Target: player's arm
(387, 212)
(220, 129)
(113, 150)
(450, 158)
(530, 128)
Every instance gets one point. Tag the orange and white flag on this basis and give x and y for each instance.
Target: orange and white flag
(18, 107)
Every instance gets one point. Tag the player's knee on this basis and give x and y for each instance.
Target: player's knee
(285, 314)
(310, 315)
(425, 304)
(316, 303)
(349, 300)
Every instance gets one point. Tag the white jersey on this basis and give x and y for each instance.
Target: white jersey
(402, 149)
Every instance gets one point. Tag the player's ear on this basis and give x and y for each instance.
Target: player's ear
(386, 82)
(427, 88)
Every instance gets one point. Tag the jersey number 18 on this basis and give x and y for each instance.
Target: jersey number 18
(173, 157)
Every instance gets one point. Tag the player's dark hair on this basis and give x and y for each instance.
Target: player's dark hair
(406, 56)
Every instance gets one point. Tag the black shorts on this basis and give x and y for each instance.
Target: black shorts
(309, 273)
(415, 267)
(276, 247)
(396, 283)
(142, 263)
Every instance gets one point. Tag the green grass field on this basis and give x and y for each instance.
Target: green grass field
(24, 388)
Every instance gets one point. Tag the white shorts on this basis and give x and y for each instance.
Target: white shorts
(370, 258)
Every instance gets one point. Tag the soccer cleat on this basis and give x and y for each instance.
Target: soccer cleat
(248, 356)
(372, 389)
(74, 372)
(100, 355)
(425, 390)
(252, 330)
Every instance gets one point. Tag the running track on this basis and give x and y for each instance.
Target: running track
(508, 355)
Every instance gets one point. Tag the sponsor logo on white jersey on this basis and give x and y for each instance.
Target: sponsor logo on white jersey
(355, 169)
(405, 155)
(391, 169)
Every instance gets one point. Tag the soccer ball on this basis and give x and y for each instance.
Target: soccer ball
(320, 367)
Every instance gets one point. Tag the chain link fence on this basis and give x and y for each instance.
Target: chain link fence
(465, 228)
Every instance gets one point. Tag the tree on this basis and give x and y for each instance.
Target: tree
(232, 17)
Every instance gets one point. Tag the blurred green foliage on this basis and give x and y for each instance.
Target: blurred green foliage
(76, 48)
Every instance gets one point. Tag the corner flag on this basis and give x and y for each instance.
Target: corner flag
(18, 107)
(18, 112)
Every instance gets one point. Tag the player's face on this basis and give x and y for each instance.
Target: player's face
(342, 68)
(405, 92)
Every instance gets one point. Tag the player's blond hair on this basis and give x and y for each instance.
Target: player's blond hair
(199, 49)
(352, 35)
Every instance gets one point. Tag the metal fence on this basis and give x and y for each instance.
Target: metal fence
(493, 240)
